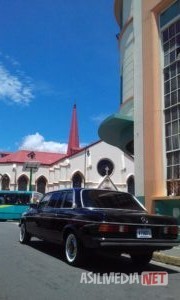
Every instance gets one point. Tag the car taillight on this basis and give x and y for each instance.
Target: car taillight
(123, 228)
(171, 230)
(113, 228)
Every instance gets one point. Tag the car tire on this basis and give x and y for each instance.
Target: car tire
(141, 259)
(73, 250)
(24, 236)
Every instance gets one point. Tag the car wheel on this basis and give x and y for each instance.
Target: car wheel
(24, 236)
(73, 250)
(141, 259)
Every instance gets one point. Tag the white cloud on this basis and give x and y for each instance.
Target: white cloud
(13, 88)
(37, 142)
(45, 88)
(99, 118)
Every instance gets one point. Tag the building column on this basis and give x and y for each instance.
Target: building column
(138, 101)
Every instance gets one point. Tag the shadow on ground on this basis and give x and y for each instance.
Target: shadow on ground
(100, 262)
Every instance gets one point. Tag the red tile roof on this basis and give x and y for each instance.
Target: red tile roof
(45, 158)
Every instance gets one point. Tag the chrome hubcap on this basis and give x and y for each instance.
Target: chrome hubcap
(22, 232)
(71, 247)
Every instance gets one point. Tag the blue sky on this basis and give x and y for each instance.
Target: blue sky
(54, 53)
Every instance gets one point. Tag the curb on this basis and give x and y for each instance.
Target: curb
(166, 259)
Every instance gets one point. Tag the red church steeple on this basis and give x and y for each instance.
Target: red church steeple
(73, 145)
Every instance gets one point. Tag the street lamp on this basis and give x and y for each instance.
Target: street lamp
(32, 166)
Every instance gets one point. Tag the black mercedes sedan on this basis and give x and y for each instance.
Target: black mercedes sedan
(84, 219)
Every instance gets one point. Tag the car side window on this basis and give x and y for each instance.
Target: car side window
(68, 201)
(44, 202)
(53, 200)
(60, 197)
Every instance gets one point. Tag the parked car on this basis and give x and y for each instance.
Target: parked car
(83, 219)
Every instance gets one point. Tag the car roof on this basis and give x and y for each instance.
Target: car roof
(84, 188)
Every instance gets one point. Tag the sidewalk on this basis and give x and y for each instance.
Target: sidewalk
(171, 257)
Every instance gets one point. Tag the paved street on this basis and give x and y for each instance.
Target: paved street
(38, 271)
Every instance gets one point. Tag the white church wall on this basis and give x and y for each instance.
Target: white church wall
(85, 162)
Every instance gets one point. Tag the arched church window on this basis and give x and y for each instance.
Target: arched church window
(41, 184)
(22, 183)
(131, 185)
(5, 182)
(77, 180)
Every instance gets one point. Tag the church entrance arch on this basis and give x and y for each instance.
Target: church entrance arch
(77, 180)
(131, 185)
(22, 183)
(41, 184)
(5, 182)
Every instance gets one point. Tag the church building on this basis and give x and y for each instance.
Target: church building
(98, 165)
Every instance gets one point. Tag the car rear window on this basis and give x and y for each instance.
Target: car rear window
(110, 199)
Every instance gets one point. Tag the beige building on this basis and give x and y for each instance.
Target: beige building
(148, 123)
